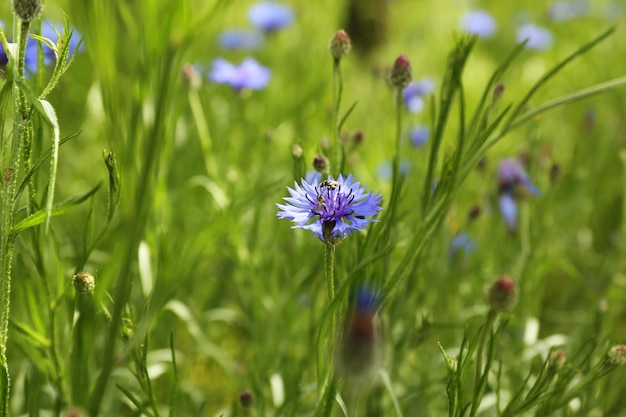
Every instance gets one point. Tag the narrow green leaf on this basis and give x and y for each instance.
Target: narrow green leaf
(394, 399)
(41, 215)
(52, 118)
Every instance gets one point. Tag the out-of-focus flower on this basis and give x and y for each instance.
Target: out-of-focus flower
(270, 16)
(617, 355)
(479, 23)
(561, 11)
(539, 39)
(360, 351)
(249, 74)
(508, 209)
(340, 45)
(418, 135)
(385, 169)
(512, 177)
(191, 77)
(413, 94)
(461, 242)
(332, 208)
(239, 39)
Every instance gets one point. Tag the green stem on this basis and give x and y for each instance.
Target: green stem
(203, 133)
(335, 160)
(480, 372)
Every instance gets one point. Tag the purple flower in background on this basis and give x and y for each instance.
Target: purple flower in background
(270, 16)
(330, 209)
(237, 39)
(413, 93)
(250, 74)
(539, 38)
(513, 176)
(561, 11)
(418, 135)
(385, 169)
(479, 23)
(461, 243)
(508, 209)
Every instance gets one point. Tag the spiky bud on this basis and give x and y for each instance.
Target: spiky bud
(617, 355)
(84, 283)
(340, 45)
(502, 294)
(401, 72)
(27, 10)
(320, 164)
(246, 399)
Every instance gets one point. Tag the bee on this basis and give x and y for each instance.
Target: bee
(330, 184)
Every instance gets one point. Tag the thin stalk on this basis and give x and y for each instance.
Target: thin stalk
(480, 372)
(335, 160)
(204, 133)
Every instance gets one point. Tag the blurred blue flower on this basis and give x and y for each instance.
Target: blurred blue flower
(330, 209)
(561, 11)
(539, 38)
(418, 135)
(270, 16)
(413, 93)
(461, 242)
(479, 23)
(508, 209)
(238, 39)
(250, 74)
(385, 169)
(512, 176)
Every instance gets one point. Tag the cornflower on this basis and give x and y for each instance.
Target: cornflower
(330, 209)
(270, 16)
(250, 74)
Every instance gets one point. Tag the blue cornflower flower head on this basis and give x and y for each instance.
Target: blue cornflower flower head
(418, 135)
(512, 176)
(330, 209)
(479, 23)
(508, 209)
(461, 242)
(365, 300)
(270, 16)
(413, 94)
(238, 39)
(250, 74)
(539, 39)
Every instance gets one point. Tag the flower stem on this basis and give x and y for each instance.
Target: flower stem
(335, 160)
(480, 372)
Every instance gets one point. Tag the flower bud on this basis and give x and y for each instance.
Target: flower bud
(498, 90)
(320, 164)
(296, 151)
(340, 45)
(401, 73)
(27, 10)
(557, 359)
(191, 77)
(246, 399)
(84, 283)
(502, 294)
(617, 355)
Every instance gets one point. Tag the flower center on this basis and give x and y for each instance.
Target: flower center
(331, 204)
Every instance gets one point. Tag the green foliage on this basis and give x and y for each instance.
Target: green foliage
(202, 293)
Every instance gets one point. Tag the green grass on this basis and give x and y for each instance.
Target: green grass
(167, 196)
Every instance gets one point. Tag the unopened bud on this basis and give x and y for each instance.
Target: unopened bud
(555, 171)
(296, 151)
(74, 412)
(357, 138)
(617, 355)
(340, 45)
(246, 399)
(401, 73)
(191, 77)
(27, 10)
(320, 164)
(502, 294)
(498, 90)
(475, 212)
(557, 359)
(84, 283)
